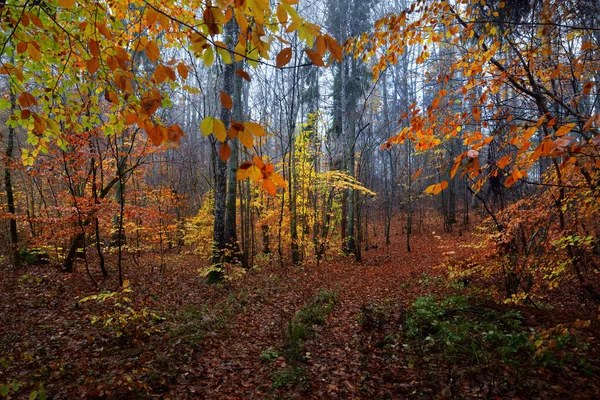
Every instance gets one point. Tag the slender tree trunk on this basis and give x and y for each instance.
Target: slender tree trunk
(220, 213)
(232, 85)
(10, 199)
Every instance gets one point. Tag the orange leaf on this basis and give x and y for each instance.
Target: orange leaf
(269, 186)
(321, 45)
(226, 100)
(234, 129)
(66, 3)
(183, 70)
(152, 51)
(246, 139)
(278, 179)
(334, 47)
(315, 57)
(258, 162)
(151, 101)
(92, 65)
(563, 130)
(225, 152)
(34, 52)
(416, 175)
(112, 63)
(154, 133)
(39, 125)
(255, 128)
(27, 100)
(94, 49)
(21, 47)
(174, 135)
(243, 74)
(160, 73)
(111, 97)
(131, 119)
(282, 15)
(284, 57)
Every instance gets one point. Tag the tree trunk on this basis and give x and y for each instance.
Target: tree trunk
(10, 199)
(219, 236)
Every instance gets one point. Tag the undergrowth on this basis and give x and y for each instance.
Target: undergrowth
(467, 341)
(299, 328)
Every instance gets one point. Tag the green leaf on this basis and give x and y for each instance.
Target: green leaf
(33, 395)
(4, 389)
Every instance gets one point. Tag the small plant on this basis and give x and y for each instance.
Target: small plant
(193, 323)
(287, 376)
(34, 256)
(297, 334)
(314, 313)
(300, 325)
(124, 319)
(27, 279)
(373, 316)
(268, 355)
(7, 388)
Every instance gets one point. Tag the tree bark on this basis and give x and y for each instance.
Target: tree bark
(10, 199)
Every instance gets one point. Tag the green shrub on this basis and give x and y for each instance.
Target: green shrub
(268, 355)
(287, 376)
(300, 325)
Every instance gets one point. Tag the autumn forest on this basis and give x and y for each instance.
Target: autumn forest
(298, 199)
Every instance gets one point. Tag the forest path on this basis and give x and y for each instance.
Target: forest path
(342, 357)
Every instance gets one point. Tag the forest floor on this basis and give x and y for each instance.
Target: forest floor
(344, 329)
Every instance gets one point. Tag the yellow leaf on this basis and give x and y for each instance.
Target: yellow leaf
(255, 174)
(243, 171)
(219, 130)
(126, 284)
(208, 57)
(206, 126)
